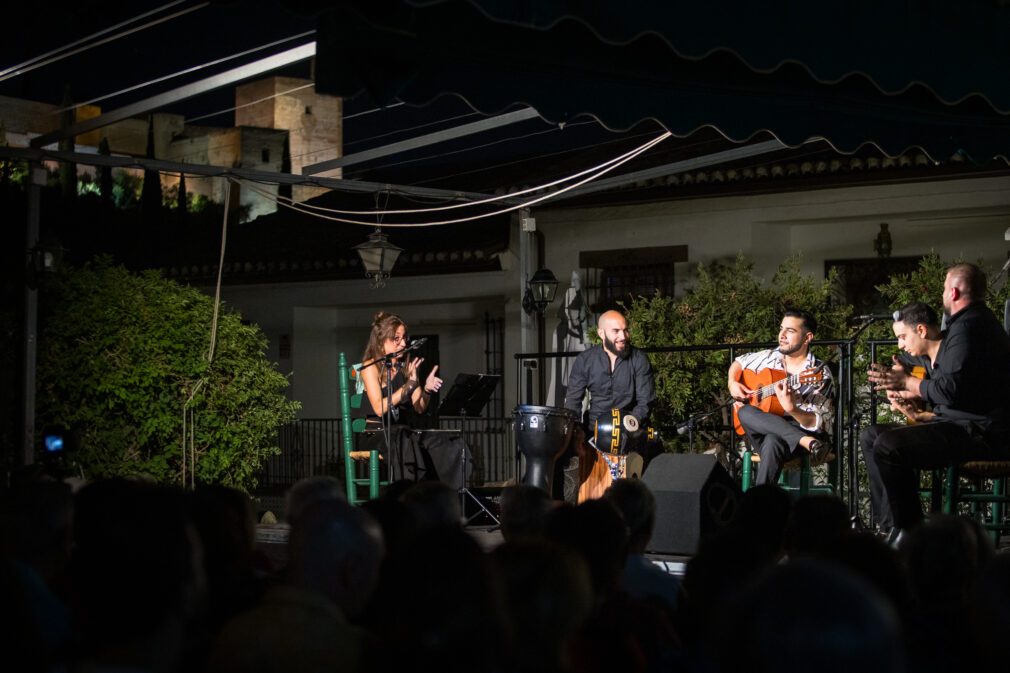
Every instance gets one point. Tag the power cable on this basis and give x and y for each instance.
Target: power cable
(469, 204)
(86, 47)
(186, 71)
(525, 204)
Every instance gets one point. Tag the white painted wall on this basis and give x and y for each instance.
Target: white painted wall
(955, 217)
(323, 319)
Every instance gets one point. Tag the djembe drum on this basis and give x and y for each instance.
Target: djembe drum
(542, 433)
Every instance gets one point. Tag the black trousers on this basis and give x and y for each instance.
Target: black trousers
(900, 452)
(775, 438)
(419, 456)
(878, 498)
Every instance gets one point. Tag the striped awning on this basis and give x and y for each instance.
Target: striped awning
(928, 74)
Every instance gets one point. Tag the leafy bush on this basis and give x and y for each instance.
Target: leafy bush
(119, 356)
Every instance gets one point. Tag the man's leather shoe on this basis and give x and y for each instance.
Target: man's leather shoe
(819, 450)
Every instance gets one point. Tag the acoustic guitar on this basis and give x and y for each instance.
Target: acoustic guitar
(919, 372)
(763, 382)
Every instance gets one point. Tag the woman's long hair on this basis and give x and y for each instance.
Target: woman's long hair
(384, 327)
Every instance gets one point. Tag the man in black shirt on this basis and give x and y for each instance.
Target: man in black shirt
(969, 392)
(617, 376)
(917, 328)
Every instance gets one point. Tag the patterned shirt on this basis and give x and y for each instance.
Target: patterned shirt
(814, 397)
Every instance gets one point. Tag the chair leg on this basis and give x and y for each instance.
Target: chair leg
(998, 491)
(805, 475)
(950, 491)
(373, 474)
(936, 492)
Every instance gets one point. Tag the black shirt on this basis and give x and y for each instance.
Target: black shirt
(629, 388)
(403, 412)
(969, 381)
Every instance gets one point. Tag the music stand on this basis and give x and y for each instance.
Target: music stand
(468, 396)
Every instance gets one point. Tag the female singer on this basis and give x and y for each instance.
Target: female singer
(389, 335)
(412, 455)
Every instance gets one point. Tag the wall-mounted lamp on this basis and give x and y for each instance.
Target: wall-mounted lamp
(43, 259)
(540, 291)
(378, 256)
(882, 243)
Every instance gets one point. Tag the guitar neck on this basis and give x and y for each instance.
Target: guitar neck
(792, 381)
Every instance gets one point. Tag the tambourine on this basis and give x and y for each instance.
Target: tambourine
(613, 432)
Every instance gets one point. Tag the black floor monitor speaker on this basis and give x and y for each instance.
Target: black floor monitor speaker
(695, 497)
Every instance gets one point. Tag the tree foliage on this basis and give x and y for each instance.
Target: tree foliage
(727, 305)
(119, 356)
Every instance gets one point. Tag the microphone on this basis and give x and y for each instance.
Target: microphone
(877, 316)
(416, 343)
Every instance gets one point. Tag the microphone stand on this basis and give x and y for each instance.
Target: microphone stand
(852, 421)
(691, 422)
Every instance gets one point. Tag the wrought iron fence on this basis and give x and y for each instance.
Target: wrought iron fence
(312, 446)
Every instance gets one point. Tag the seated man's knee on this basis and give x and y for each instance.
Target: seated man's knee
(886, 447)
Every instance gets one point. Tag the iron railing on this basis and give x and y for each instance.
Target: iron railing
(313, 446)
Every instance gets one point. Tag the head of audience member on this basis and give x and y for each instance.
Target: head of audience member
(964, 284)
(36, 538)
(595, 530)
(612, 328)
(435, 505)
(224, 521)
(637, 506)
(992, 600)
(943, 558)
(439, 605)
(809, 613)
(524, 510)
(815, 524)
(334, 551)
(310, 490)
(548, 596)
(36, 527)
(796, 331)
(916, 324)
(138, 573)
(762, 519)
(871, 558)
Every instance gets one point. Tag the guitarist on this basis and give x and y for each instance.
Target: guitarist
(917, 328)
(807, 409)
(968, 391)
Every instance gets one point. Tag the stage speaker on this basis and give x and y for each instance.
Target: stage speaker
(695, 497)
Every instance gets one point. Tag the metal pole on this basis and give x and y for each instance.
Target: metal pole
(36, 178)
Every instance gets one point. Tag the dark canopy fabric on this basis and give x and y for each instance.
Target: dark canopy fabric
(899, 75)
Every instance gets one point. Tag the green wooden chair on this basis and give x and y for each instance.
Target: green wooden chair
(980, 483)
(348, 429)
(802, 464)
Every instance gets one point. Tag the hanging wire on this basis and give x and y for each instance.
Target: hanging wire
(526, 204)
(469, 204)
(20, 70)
(89, 37)
(186, 71)
(410, 128)
(368, 112)
(245, 105)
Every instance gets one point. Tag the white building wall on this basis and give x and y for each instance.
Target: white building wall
(323, 319)
(954, 217)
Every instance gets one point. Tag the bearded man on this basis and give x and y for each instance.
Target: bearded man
(617, 376)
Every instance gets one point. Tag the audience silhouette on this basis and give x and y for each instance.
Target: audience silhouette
(127, 575)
